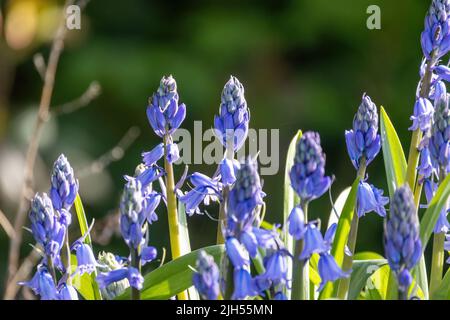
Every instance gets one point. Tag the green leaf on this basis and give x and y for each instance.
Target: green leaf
(338, 206)
(362, 270)
(443, 292)
(173, 277)
(378, 283)
(435, 207)
(82, 220)
(367, 255)
(378, 286)
(314, 276)
(84, 227)
(427, 224)
(83, 283)
(185, 243)
(290, 201)
(394, 157)
(341, 237)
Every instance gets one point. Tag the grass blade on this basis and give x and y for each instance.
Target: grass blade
(341, 237)
(290, 200)
(82, 281)
(394, 157)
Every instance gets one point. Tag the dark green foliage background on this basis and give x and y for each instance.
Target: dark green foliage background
(304, 64)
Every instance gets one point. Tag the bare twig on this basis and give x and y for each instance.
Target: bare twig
(91, 93)
(105, 228)
(22, 273)
(39, 64)
(42, 117)
(7, 226)
(114, 154)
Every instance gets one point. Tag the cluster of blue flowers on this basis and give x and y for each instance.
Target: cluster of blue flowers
(244, 240)
(308, 179)
(401, 237)
(256, 262)
(431, 110)
(50, 219)
(363, 145)
(231, 128)
(137, 210)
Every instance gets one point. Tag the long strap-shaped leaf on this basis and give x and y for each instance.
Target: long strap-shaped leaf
(394, 157)
(433, 211)
(186, 245)
(290, 200)
(395, 167)
(429, 219)
(173, 277)
(341, 237)
(443, 292)
(362, 270)
(86, 284)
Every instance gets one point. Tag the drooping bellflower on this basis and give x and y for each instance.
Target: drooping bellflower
(402, 243)
(370, 198)
(423, 115)
(134, 277)
(307, 175)
(206, 279)
(204, 190)
(329, 270)
(42, 284)
(436, 35)
(363, 140)
(107, 263)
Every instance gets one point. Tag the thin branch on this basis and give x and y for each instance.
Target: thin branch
(91, 93)
(22, 273)
(7, 226)
(114, 154)
(42, 117)
(39, 64)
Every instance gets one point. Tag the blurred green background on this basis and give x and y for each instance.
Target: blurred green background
(304, 65)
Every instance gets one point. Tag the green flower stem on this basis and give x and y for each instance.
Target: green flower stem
(228, 277)
(413, 157)
(347, 264)
(51, 268)
(172, 212)
(420, 271)
(437, 262)
(437, 259)
(229, 153)
(68, 262)
(300, 284)
(402, 294)
(222, 215)
(136, 263)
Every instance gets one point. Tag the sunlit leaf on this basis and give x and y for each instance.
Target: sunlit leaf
(341, 237)
(393, 155)
(173, 277)
(290, 200)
